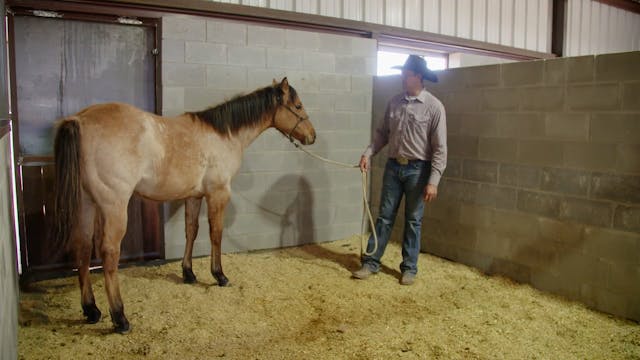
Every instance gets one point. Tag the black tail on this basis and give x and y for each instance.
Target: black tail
(67, 183)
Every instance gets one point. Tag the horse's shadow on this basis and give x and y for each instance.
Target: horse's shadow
(297, 228)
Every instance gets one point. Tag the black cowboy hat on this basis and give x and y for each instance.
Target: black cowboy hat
(418, 65)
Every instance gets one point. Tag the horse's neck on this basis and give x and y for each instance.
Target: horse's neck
(247, 135)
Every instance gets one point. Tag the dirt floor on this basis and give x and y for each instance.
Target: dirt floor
(300, 303)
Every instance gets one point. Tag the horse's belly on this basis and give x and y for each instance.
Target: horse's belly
(169, 191)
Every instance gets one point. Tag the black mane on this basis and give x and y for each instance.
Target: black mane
(242, 110)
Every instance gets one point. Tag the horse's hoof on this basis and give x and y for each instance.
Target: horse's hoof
(120, 323)
(122, 328)
(92, 313)
(222, 280)
(188, 277)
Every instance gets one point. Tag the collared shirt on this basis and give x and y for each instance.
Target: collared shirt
(414, 127)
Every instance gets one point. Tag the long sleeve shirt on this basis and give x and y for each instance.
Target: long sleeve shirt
(414, 128)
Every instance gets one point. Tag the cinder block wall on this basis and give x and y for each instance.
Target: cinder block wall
(281, 196)
(543, 181)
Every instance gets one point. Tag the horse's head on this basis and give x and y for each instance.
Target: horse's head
(290, 118)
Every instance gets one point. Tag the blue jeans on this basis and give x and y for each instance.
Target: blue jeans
(408, 180)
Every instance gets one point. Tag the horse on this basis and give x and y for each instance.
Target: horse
(107, 152)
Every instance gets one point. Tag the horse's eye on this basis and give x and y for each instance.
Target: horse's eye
(299, 106)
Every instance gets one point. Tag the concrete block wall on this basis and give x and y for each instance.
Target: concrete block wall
(543, 180)
(281, 196)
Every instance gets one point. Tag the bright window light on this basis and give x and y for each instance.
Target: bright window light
(386, 60)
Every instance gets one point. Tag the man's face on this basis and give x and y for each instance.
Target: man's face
(411, 82)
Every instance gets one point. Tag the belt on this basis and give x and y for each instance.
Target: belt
(404, 161)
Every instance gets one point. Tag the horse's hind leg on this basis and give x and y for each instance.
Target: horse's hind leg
(114, 226)
(83, 242)
(216, 203)
(191, 212)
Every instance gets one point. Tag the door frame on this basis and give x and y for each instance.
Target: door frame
(152, 212)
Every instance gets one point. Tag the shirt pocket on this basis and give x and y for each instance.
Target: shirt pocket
(418, 123)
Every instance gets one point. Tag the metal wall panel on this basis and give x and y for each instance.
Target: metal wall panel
(543, 39)
(413, 14)
(531, 18)
(286, 5)
(259, 3)
(463, 19)
(431, 16)
(591, 26)
(506, 23)
(597, 28)
(394, 11)
(493, 21)
(519, 23)
(448, 18)
(353, 10)
(479, 26)
(332, 8)
(373, 11)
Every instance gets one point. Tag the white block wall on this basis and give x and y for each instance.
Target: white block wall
(281, 196)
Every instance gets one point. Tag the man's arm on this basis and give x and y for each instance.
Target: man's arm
(380, 139)
(438, 141)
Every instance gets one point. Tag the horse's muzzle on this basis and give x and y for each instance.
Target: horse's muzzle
(309, 139)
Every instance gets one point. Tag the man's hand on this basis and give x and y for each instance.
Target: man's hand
(430, 192)
(364, 163)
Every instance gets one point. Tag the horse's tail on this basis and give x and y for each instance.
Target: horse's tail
(67, 183)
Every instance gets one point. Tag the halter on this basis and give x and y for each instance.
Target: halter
(300, 119)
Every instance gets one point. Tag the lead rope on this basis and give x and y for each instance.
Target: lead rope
(365, 202)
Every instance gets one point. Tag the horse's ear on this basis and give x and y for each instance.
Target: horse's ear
(284, 85)
(275, 83)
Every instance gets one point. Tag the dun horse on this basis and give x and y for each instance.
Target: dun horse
(107, 152)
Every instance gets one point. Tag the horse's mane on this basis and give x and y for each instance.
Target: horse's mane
(242, 110)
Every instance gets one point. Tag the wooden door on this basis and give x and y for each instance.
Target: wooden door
(61, 65)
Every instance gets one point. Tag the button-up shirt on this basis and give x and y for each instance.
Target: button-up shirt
(414, 127)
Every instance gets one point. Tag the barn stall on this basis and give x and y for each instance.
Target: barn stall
(541, 185)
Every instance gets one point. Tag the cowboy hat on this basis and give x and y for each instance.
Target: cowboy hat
(418, 65)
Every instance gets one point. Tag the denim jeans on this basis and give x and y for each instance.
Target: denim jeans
(398, 180)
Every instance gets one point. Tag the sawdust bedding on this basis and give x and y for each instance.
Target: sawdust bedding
(300, 303)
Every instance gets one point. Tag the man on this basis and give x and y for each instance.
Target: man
(415, 129)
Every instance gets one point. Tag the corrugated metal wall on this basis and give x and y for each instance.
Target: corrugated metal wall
(592, 27)
(523, 24)
(596, 28)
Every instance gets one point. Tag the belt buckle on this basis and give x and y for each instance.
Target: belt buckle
(402, 160)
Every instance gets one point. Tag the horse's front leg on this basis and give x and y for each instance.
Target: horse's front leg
(216, 203)
(191, 212)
